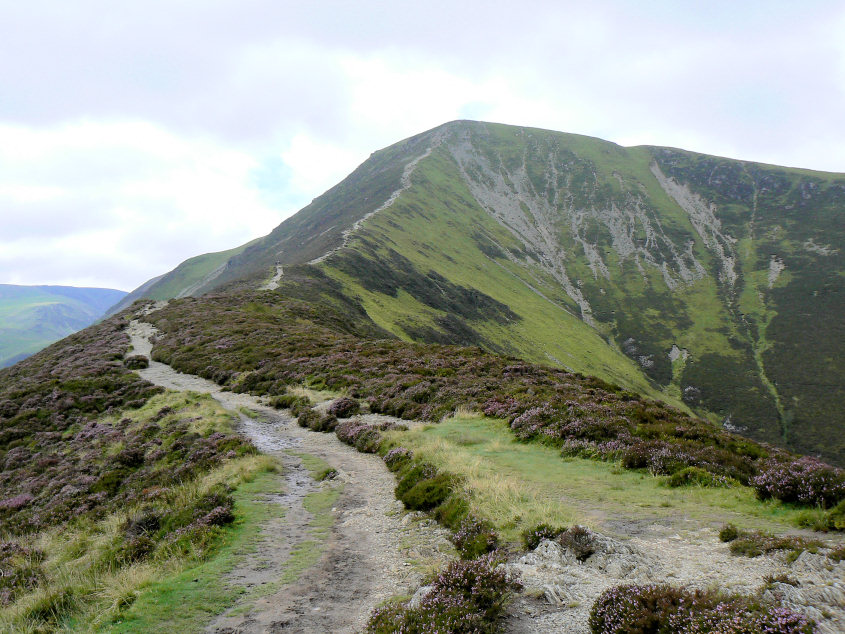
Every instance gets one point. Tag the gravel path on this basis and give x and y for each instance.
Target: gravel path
(374, 551)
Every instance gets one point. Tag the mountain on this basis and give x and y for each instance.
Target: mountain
(32, 317)
(191, 275)
(713, 284)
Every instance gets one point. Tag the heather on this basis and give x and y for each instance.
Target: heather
(468, 597)
(96, 467)
(531, 537)
(106, 481)
(756, 543)
(662, 609)
(265, 347)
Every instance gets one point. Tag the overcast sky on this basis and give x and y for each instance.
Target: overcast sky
(134, 135)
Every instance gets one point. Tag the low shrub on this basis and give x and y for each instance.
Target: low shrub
(427, 494)
(307, 417)
(316, 421)
(468, 597)
(663, 609)
(397, 458)
(579, 540)
(20, 570)
(837, 554)
(756, 543)
(344, 407)
(531, 537)
(136, 362)
(694, 476)
(804, 481)
(728, 533)
(296, 404)
(452, 511)
(368, 441)
(474, 538)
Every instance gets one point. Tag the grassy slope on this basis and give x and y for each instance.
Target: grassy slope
(86, 586)
(34, 317)
(435, 234)
(738, 370)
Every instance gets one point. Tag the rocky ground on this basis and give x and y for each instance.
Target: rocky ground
(560, 588)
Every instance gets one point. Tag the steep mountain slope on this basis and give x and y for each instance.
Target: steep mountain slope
(709, 282)
(32, 317)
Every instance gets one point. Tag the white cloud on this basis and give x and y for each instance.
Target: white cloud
(82, 195)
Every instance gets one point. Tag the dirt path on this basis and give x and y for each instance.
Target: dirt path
(374, 550)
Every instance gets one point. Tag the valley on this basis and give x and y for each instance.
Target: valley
(32, 317)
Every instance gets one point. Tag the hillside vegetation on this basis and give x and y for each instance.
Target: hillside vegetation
(107, 484)
(712, 284)
(262, 343)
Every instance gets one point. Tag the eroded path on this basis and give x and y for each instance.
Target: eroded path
(373, 550)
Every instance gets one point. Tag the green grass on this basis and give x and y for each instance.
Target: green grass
(191, 272)
(187, 601)
(519, 485)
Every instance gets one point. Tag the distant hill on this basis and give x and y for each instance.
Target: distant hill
(713, 284)
(183, 281)
(32, 317)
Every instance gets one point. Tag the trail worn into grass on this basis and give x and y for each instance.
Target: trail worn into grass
(317, 569)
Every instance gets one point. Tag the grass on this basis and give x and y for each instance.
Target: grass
(82, 594)
(518, 485)
(188, 600)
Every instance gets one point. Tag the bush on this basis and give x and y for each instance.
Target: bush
(316, 421)
(756, 543)
(427, 494)
(368, 441)
(344, 407)
(802, 481)
(136, 362)
(663, 609)
(579, 540)
(397, 458)
(296, 404)
(468, 597)
(728, 533)
(452, 511)
(20, 570)
(694, 476)
(474, 538)
(307, 417)
(531, 537)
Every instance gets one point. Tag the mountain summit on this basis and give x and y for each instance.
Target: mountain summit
(711, 283)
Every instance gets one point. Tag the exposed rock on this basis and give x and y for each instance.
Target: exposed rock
(421, 593)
